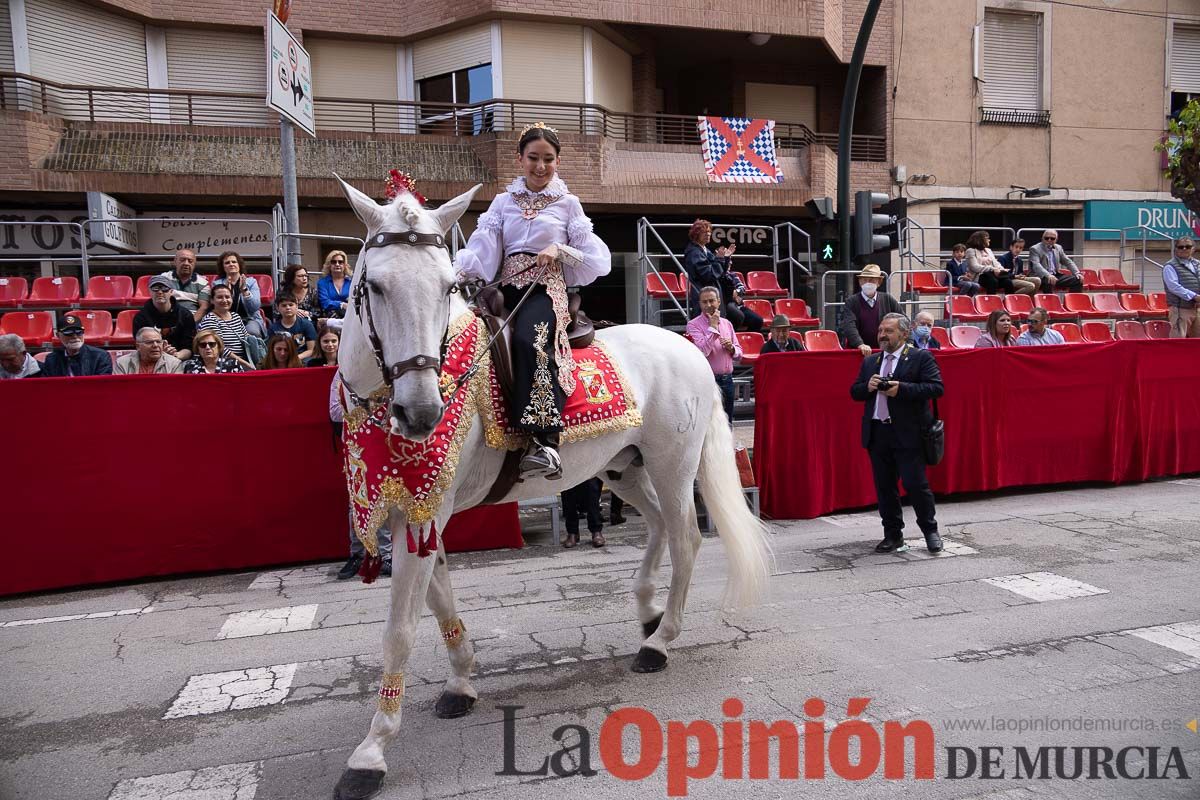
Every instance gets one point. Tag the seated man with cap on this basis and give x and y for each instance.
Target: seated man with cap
(75, 358)
(859, 326)
(174, 322)
(780, 341)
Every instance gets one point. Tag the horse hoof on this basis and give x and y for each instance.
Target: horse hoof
(648, 628)
(359, 784)
(649, 660)
(453, 706)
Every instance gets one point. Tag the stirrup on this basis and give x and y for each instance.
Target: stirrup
(540, 461)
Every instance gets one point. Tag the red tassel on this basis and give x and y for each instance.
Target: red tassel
(433, 542)
(370, 568)
(423, 549)
(412, 543)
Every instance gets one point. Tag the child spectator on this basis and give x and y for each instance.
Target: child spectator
(290, 323)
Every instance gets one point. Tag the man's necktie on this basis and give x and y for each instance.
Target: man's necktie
(881, 406)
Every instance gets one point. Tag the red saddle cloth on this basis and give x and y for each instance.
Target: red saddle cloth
(601, 403)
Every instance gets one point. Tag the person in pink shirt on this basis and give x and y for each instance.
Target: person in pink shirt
(714, 336)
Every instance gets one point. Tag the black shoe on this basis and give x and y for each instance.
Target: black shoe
(386, 570)
(350, 569)
(891, 546)
(934, 542)
(617, 520)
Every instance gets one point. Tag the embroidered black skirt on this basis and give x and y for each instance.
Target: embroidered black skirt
(538, 398)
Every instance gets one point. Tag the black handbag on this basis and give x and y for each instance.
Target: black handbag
(933, 439)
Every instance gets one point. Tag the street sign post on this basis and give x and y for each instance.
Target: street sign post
(118, 228)
(289, 76)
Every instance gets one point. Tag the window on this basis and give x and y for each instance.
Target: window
(1185, 66)
(1012, 68)
(462, 87)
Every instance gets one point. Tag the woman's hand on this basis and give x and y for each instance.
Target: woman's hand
(548, 256)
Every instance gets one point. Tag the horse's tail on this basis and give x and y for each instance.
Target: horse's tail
(743, 535)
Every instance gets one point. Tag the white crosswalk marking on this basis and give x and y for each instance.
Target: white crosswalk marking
(226, 782)
(268, 620)
(124, 612)
(231, 691)
(1181, 636)
(1044, 586)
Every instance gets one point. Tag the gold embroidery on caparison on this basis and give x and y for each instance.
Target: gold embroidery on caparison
(541, 411)
(391, 692)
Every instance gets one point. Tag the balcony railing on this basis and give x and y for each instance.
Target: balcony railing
(186, 107)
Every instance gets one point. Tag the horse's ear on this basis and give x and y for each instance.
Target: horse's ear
(451, 210)
(366, 209)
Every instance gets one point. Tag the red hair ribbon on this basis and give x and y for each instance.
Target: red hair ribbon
(400, 182)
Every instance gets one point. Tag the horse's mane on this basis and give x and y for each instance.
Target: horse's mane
(408, 208)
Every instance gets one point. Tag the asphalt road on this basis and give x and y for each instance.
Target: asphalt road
(1055, 619)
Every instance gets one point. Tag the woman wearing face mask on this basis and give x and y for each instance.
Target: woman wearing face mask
(922, 337)
(863, 311)
(328, 341)
(247, 297)
(535, 232)
(228, 325)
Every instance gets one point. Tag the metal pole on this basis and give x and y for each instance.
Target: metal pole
(846, 128)
(291, 204)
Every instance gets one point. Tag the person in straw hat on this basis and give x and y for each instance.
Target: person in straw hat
(865, 309)
(780, 342)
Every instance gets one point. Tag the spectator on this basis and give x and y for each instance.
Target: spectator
(303, 334)
(384, 535)
(1040, 332)
(859, 326)
(993, 277)
(227, 324)
(999, 331)
(1181, 279)
(297, 286)
(76, 358)
(965, 281)
(14, 361)
(1045, 260)
(247, 297)
(705, 268)
(923, 332)
(584, 498)
(716, 340)
(333, 289)
(281, 353)
(211, 357)
(329, 339)
(191, 289)
(173, 321)
(1011, 261)
(149, 358)
(781, 341)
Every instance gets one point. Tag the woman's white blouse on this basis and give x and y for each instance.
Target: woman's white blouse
(503, 231)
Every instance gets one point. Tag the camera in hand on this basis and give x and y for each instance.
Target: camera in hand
(884, 383)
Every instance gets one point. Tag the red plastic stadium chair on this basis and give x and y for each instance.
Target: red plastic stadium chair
(142, 293)
(684, 286)
(927, 283)
(1018, 306)
(1111, 306)
(1097, 332)
(762, 308)
(796, 310)
(985, 304)
(1091, 279)
(53, 293)
(942, 336)
(1113, 279)
(266, 287)
(964, 337)
(741, 277)
(821, 340)
(1158, 329)
(97, 326)
(123, 332)
(962, 308)
(1140, 305)
(798, 336)
(1052, 303)
(13, 292)
(41, 356)
(764, 284)
(34, 327)
(108, 291)
(752, 345)
(1130, 330)
(1070, 332)
(662, 285)
(1158, 301)
(1080, 305)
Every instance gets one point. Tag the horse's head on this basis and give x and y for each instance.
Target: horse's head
(401, 304)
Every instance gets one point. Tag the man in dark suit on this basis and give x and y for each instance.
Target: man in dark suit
(896, 386)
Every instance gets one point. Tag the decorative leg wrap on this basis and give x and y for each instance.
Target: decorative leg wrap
(453, 631)
(391, 692)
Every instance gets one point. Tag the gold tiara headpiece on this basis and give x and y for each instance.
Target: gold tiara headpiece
(538, 124)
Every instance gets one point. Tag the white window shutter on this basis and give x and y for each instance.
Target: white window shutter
(1185, 59)
(1012, 61)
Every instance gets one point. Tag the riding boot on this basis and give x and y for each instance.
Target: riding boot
(541, 458)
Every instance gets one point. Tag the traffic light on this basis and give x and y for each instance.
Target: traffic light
(821, 208)
(829, 251)
(867, 226)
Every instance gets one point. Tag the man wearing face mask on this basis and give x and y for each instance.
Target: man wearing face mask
(923, 333)
(859, 326)
(75, 358)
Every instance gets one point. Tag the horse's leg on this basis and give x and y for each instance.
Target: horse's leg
(634, 487)
(458, 696)
(410, 580)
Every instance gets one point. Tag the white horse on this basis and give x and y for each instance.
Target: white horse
(684, 435)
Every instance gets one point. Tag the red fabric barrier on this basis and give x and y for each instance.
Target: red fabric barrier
(126, 477)
(1114, 412)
